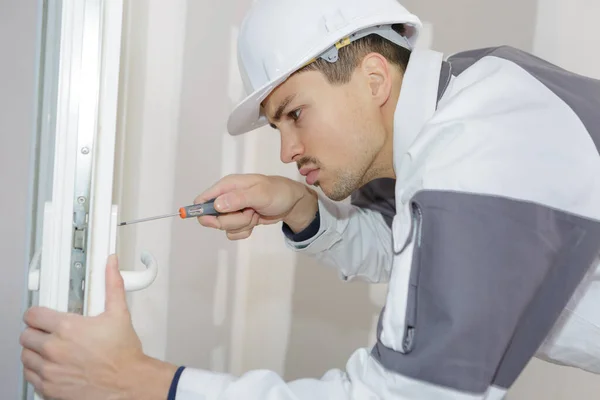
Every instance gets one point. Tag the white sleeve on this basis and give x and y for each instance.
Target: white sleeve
(363, 379)
(356, 241)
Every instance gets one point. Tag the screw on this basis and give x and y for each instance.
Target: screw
(78, 265)
(81, 199)
(85, 150)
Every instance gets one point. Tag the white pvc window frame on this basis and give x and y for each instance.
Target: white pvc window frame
(84, 145)
(87, 87)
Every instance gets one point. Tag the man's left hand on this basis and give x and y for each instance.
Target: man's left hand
(69, 356)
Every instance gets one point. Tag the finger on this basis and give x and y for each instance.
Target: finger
(210, 221)
(237, 220)
(32, 361)
(255, 197)
(253, 218)
(35, 340)
(239, 235)
(34, 379)
(227, 184)
(115, 287)
(43, 318)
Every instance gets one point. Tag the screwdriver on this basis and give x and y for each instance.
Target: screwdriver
(195, 210)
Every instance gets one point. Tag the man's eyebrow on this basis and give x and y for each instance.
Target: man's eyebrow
(286, 102)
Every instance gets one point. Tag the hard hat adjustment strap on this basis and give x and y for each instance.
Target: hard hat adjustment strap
(385, 31)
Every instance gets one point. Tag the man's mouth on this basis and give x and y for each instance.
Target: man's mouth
(311, 174)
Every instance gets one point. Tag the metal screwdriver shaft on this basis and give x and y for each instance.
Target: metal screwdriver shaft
(135, 221)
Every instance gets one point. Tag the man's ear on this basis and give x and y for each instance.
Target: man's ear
(378, 74)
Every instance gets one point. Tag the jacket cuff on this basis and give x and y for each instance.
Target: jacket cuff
(307, 233)
(194, 384)
(175, 383)
(326, 226)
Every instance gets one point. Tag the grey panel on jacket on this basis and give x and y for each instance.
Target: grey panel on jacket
(580, 93)
(492, 276)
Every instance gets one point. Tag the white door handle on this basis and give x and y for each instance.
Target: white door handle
(33, 281)
(134, 280)
(137, 280)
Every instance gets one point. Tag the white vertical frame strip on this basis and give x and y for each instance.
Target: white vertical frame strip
(58, 221)
(101, 242)
(230, 161)
(88, 72)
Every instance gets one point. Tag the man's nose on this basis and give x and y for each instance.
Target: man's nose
(290, 148)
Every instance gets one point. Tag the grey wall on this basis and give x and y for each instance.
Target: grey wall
(465, 24)
(18, 35)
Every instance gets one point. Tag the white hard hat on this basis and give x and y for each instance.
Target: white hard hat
(279, 37)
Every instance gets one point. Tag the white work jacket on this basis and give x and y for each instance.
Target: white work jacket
(489, 241)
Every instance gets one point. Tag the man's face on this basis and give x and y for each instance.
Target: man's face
(332, 132)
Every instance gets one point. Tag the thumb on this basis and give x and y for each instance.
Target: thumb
(115, 287)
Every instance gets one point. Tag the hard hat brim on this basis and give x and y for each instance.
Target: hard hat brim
(247, 116)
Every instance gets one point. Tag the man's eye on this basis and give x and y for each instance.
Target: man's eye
(295, 115)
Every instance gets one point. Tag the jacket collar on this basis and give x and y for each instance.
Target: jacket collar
(424, 83)
(426, 78)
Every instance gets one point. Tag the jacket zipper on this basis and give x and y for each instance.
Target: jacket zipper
(409, 333)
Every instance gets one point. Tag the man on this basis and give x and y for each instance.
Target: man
(489, 240)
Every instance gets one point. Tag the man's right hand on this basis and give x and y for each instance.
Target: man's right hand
(251, 199)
